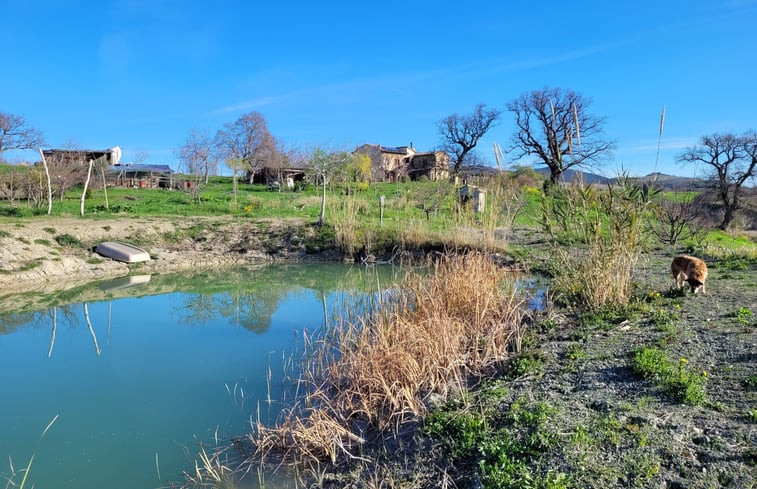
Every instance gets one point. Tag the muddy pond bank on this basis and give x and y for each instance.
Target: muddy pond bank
(37, 254)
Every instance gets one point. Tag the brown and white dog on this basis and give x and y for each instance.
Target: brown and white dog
(689, 269)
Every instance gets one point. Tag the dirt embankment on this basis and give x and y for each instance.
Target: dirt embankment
(58, 252)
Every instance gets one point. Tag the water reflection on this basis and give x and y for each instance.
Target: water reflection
(246, 298)
(140, 373)
(125, 282)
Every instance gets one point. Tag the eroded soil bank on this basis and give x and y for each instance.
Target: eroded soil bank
(41, 254)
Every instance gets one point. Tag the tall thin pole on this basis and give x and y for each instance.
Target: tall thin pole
(49, 186)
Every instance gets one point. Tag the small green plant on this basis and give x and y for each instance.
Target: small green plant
(253, 205)
(750, 383)
(663, 318)
(94, 261)
(676, 378)
(30, 265)
(5, 234)
(743, 315)
(751, 416)
(68, 240)
(49, 230)
(575, 352)
(461, 432)
(526, 363)
(44, 242)
(607, 318)
(546, 325)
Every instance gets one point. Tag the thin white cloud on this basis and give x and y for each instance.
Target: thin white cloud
(668, 144)
(346, 89)
(255, 103)
(397, 82)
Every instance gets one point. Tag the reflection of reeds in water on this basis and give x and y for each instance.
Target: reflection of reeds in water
(365, 378)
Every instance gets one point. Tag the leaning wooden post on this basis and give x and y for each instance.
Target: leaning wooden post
(49, 186)
(84, 191)
(105, 187)
(381, 213)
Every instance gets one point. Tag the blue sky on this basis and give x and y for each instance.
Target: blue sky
(141, 74)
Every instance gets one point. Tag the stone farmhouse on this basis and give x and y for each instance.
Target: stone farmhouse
(391, 164)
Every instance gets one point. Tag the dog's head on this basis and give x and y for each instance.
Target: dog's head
(695, 284)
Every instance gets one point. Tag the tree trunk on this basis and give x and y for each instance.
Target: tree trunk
(105, 188)
(727, 217)
(49, 185)
(234, 187)
(323, 204)
(84, 191)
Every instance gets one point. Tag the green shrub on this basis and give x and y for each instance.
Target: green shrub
(68, 240)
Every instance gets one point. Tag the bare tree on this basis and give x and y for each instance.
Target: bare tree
(460, 133)
(246, 139)
(732, 161)
(141, 156)
(324, 167)
(554, 124)
(677, 218)
(197, 155)
(66, 168)
(16, 133)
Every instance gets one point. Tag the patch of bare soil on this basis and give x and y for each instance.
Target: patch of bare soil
(637, 433)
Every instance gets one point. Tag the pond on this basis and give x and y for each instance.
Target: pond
(138, 372)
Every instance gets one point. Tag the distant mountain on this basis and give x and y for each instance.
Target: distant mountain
(672, 182)
(569, 175)
(666, 182)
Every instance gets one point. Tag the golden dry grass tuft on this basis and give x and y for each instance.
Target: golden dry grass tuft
(371, 374)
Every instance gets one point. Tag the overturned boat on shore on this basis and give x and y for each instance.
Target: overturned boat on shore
(122, 252)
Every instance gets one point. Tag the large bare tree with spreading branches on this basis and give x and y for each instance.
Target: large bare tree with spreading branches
(555, 126)
(461, 133)
(732, 161)
(16, 133)
(246, 140)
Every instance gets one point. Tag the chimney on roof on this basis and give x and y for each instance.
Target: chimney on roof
(411, 144)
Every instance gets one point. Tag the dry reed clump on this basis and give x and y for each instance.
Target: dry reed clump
(346, 225)
(371, 375)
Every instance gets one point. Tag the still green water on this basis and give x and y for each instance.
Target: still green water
(139, 374)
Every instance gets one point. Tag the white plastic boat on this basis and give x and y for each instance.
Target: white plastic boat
(122, 252)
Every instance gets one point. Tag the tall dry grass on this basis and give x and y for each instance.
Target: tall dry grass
(367, 377)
